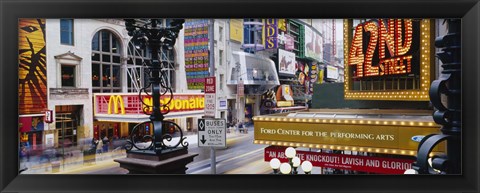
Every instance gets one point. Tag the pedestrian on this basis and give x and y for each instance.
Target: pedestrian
(240, 127)
(105, 144)
(99, 146)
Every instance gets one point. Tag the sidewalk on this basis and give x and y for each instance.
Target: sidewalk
(61, 165)
(77, 162)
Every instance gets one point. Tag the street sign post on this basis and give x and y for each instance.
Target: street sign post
(210, 99)
(212, 133)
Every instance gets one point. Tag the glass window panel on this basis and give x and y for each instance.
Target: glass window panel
(68, 75)
(105, 41)
(66, 29)
(95, 75)
(116, 76)
(95, 42)
(116, 59)
(65, 38)
(106, 58)
(115, 45)
(106, 76)
(95, 57)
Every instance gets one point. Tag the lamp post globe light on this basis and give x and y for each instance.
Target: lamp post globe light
(290, 152)
(307, 167)
(295, 163)
(285, 168)
(292, 165)
(275, 165)
(410, 171)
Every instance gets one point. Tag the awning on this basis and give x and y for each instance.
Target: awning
(258, 73)
(142, 118)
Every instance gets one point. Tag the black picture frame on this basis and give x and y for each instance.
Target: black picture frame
(10, 181)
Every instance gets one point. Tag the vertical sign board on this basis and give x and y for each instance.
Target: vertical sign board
(212, 133)
(210, 101)
(271, 33)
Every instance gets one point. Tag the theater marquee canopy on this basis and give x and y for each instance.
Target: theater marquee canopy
(375, 131)
(388, 59)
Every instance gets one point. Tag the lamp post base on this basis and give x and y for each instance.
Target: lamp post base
(172, 162)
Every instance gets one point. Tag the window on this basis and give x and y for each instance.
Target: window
(66, 31)
(68, 75)
(252, 35)
(106, 63)
(295, 32)
(221, 82)
(138, 57)
(220, 31)
(220, 57)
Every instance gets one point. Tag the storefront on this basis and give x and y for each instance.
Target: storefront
(68, 125)
(31, 131)
(117, 113)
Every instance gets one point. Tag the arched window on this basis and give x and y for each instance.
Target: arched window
(106, 54)
(137, 63)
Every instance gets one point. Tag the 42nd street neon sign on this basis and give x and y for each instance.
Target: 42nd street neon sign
(389, 48)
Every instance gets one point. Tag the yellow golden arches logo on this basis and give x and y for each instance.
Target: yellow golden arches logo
(117, 99)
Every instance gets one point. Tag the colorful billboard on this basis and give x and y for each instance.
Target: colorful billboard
(271, 33)
(313, 45)
(32, 67)
(286, 62)
(196, 52)
(236, 30)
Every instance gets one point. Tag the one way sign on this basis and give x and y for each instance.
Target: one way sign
(212, 133)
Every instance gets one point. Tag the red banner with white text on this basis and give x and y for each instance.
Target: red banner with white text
(345, 162)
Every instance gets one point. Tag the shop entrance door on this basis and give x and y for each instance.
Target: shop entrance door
(66, 124)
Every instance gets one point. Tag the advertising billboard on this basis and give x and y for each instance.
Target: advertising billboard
(286, 62)
(32, 75)
(196, 52)
(313, 45)
(236, 30)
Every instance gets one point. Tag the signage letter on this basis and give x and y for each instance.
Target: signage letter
(356, 53)
(117, 99)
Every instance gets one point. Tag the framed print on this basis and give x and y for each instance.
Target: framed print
(227, 96)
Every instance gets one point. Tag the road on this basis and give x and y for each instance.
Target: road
(240, 157)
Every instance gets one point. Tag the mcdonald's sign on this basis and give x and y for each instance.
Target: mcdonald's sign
(117, 101)
(132, 104)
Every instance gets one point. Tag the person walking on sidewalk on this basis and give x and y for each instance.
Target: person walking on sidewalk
(99, 146)
(105, 144)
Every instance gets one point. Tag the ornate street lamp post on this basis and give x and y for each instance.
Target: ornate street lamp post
(164, 154)
(152, 33)
(448, 115)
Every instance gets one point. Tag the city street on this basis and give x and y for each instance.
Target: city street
(240, 157)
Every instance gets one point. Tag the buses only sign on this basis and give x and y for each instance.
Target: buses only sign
(212, 133)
